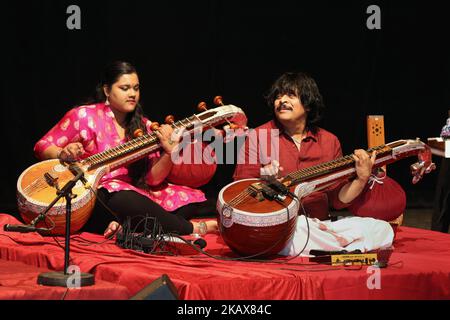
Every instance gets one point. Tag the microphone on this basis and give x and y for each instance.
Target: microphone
(23, 228)
(280, 188)
(77, 172)
(200, 242)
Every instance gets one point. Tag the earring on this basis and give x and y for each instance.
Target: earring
(107, 101)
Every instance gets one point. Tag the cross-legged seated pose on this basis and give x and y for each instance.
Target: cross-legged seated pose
(297, 107)
(143, 188)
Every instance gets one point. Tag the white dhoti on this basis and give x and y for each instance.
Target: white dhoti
(352, 233)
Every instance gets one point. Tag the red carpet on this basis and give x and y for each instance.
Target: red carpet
(419, 269)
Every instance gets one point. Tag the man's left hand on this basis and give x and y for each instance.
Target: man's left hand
(364, 164)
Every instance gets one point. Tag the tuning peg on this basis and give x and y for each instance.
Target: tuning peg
(234, 126)
(154, 126)
(218, 101)
(169, 119)
(202, 106)
(138, 133)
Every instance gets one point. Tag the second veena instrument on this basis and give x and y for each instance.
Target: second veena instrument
(38, 184)
(258, 217)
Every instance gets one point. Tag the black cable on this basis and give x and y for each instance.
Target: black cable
(275, 244)
(77, 237)
(35, 244)
(101, 201)
(249, 258)
(246, 258)
(65, 294)
(129, 238)
(294, 197)
(307, 225)
(59, 244)
(154, 234)
(110, 237)
(240, 258)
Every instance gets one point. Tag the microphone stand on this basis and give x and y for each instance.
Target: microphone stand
(61, 278)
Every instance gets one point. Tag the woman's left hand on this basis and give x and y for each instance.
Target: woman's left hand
(363, 164)
(168, 138)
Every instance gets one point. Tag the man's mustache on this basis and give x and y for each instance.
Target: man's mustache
(284, 106)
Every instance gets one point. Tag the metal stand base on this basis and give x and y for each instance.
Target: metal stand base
(59, 279)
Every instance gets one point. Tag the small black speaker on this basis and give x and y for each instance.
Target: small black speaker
(160, 289)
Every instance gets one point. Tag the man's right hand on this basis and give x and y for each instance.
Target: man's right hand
(271, 170)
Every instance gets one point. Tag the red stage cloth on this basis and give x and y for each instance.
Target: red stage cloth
(18, 282)
(420, 269)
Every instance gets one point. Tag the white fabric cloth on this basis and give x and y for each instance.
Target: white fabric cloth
(349, 234)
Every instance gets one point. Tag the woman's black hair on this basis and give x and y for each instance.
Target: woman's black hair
(305, 88)
(134, 120)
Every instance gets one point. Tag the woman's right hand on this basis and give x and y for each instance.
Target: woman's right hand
(71, 152)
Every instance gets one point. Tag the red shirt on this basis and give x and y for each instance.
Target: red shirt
(319, 147)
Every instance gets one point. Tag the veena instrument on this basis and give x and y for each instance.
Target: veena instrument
(37, 185)
(258, 217)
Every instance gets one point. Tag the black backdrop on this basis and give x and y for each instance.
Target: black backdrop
(190, 51)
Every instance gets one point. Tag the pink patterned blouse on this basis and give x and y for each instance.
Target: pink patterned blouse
(93, 126)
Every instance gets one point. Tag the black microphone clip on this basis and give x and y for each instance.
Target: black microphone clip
(279, 187)
(23, 228)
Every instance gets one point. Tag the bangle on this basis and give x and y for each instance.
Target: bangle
(202, 228)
